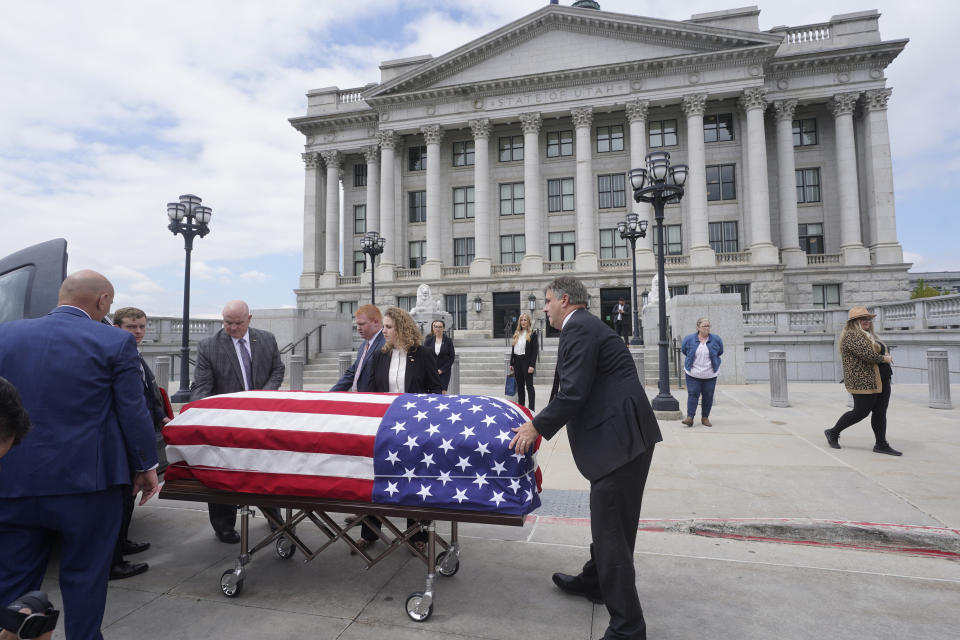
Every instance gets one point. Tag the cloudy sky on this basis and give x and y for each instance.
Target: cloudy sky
(112, 109)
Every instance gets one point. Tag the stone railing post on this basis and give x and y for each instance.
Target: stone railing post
(455, 375)
(296, 364)
(344, 360)
(938, 377)
(161, 371)
(637, 354)
(778, 378)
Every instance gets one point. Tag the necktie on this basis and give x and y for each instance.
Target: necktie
(247, 365)
(356, 374)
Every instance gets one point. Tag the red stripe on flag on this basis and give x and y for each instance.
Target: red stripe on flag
(331, 407)
(275, 483)
(346, 444)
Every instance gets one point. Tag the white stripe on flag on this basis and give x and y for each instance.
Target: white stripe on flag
(286, 421)
(335, 396)
(266, 461)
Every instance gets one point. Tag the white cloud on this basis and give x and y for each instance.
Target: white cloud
(113, 109)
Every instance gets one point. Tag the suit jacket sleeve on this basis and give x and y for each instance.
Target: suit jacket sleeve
(533, 348)
(277, 367)
(576, 365)
(131, 410)
(203, 378)
(345, 383)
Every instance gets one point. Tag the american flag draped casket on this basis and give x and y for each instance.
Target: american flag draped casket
(442, 451)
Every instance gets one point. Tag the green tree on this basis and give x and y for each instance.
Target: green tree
(923, 290)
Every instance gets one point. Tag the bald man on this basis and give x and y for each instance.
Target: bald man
(80, 383)
(236, 358)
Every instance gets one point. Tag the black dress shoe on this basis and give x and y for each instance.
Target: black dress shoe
(887, 449)
(230, 537)
(129, 547)
(832, 439)
(574, 586)
(127, 570)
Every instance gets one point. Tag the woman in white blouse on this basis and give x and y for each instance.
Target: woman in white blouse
(702, 351)
(442, 347)
(404, 365)
(523, 359)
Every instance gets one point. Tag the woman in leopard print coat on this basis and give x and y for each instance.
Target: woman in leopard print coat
(866, 374)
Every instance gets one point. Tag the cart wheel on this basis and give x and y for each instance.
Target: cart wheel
(285, 548)
(230, 584)
(442, 564)
(415, 607)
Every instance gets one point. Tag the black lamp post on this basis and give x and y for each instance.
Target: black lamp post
(631, 229)
(664, 183)
(372, 245)
(190, 219)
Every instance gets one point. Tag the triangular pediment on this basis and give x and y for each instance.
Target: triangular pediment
(559, 39)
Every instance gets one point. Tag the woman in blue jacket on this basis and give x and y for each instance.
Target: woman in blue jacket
(702, 351)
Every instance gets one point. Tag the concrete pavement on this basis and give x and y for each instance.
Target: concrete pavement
(760, 472)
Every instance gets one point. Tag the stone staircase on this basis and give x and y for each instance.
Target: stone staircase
(481, 363)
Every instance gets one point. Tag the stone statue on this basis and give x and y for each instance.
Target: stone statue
(654, 297)
(425, 300)
(428, 309)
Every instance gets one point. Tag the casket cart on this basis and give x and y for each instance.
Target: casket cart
(283, 450)
(298, 510)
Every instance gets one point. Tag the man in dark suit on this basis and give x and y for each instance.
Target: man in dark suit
(236, 358)
(612, 430)
(369, 326)
(134, 321)
(80, 383)
(358, 378)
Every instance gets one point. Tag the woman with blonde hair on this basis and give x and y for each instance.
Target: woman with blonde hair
(523, 359)
(866, 374)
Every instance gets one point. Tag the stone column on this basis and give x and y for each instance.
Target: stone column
(762, 251)
(637, 117)
(312, 223)
(331, 268)
(879, 170)
(432, 267)
(372, 155)
(791, 253)
(586, 211)
(851, 242)
(480, 267)
(695, 197)
(392, 248)
(533, 223)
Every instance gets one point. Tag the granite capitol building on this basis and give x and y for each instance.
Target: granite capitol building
(491, 169)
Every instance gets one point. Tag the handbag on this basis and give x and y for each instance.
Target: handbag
(510, 388)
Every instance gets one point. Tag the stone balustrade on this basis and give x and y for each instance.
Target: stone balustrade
(822, 259)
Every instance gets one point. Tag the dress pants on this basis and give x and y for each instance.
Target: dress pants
(223, 517)
(126, 492)
(524, 382)
(87, 525)
(615, 501)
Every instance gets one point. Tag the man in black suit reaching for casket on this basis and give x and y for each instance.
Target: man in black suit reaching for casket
(612, 430)
(236, 358)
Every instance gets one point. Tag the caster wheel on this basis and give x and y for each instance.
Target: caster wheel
(285, 548)
(230, 584)
(447, 567)
(415, 608)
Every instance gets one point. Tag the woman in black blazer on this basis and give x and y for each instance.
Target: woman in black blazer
(442, 348)
(523, 359)
(403, 365)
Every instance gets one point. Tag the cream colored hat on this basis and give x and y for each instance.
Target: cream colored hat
(860, 312)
